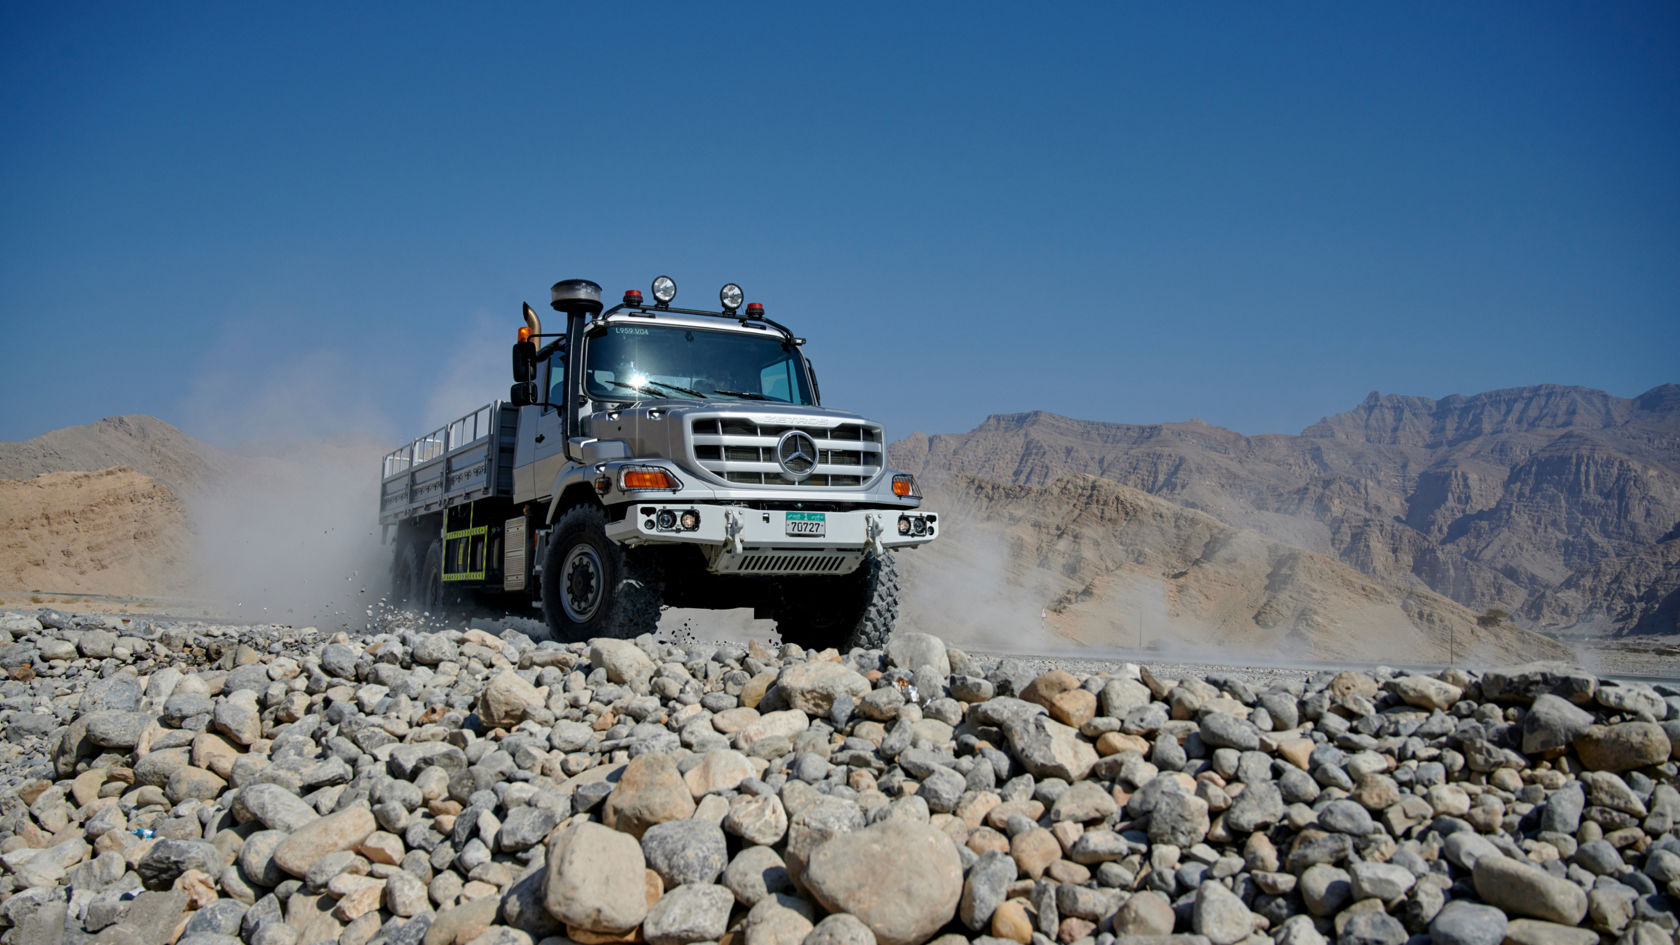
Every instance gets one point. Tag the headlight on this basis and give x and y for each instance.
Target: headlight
(904, 486)
(664, 289)
(904, 524)
(918, 525)
(667, 519)
(690, 520)
(731, 296)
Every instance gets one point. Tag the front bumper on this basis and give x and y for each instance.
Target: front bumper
(744, 540)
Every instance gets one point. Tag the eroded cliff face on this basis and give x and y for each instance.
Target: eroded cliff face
(1094, 562)
(1495, 500)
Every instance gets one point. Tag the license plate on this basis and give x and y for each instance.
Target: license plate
(807, 524)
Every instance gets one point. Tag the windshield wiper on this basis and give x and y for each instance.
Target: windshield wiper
(743, 394)
(674, 387)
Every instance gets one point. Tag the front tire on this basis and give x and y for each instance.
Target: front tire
(848, 612)
(591, 587)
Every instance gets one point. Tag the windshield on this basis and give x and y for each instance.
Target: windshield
(643, 362)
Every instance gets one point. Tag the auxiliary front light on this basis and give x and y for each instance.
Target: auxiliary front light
(667, 520)
(644, 477)
(690, 520)
(904, 486)
(918, 525)
(731, 296)
(664, 290)
(904, 524)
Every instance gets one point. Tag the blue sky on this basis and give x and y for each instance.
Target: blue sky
(303, 220)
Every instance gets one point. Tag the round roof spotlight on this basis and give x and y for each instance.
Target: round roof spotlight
(664, 290)
(632, 297)
(731, 296)
(755, 310)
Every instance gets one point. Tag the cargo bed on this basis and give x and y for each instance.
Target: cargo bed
(468, 459)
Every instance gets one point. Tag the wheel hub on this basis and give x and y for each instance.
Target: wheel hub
(581, 584)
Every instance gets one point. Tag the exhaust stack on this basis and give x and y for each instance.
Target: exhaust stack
(533, 322)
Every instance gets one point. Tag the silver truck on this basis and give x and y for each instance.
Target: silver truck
(651, 456)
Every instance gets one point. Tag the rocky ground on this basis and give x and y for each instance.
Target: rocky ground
(165, 781)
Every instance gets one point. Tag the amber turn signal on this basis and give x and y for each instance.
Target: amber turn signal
(647, 479)
(905, 486)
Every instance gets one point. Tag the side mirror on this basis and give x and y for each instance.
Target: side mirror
(524, 361)
(523, 394)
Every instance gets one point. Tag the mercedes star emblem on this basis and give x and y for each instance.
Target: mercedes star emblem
(796, 451)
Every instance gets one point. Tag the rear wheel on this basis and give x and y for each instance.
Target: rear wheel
(405, 574)
(432, 594)
(591, 587)
(846, 612)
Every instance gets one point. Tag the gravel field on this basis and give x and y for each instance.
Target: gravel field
(201, 783)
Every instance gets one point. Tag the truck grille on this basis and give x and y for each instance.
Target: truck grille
(742, 450)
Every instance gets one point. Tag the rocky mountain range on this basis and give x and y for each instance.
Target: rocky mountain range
(1559, 505)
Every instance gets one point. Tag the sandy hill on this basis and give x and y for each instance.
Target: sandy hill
(1089, 561)
(292, 533)
(1500, 500)
(109, 532)
(146, 445)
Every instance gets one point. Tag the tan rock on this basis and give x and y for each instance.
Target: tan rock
(596, 877)
(381, 847)
(213, 753)
(752, 693)
(360, 895)
(1074, 707)
(1296, 751)
(1034, 850)
(1048, 686)
(721, 769)
(508, 699)
(900, 878)
(1113, 743)
(730, 721)
(983, 840)
(650, 791)
(812, 687)
(1010, 922)
(1622, 747)
(199, 888)
(314, 840)
(85, 788)
(785, 724)
(998, 816)
(458, 925)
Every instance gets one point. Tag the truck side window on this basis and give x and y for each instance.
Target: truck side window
(557, 378)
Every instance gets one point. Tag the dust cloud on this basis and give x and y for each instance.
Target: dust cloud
(294, 539)
(291, 534)
(967, 588)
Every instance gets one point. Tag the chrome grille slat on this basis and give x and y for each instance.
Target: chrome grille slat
(741, 450)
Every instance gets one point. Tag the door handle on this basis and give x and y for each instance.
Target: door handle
(540, 437)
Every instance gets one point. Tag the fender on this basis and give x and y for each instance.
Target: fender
(574, 478)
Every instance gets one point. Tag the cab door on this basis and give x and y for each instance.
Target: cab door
(541, 451)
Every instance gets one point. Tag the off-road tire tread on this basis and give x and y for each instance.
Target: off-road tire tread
(405, 574)
(633, 606)
(875, 606)
(875, 627)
